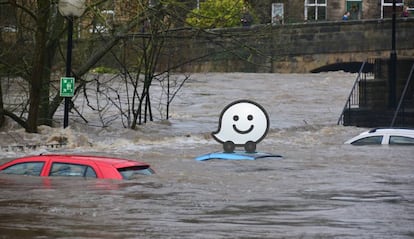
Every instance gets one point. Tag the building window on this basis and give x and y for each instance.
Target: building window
(277, 13)
(386, 7)
(354, 7)
(315, 10)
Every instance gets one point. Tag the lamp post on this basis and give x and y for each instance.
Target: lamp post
(392, 77)
(69, 9)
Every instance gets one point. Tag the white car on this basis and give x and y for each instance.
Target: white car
(379, 136)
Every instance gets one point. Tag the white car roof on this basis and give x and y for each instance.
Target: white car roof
(390, 131)
(383, 131)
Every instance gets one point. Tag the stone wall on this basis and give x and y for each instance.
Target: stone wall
(301, 47)
(289, 48)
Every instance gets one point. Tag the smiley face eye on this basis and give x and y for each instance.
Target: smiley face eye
(236, 118)
(250, 117)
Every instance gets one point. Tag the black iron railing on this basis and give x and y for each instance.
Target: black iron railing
(357, 96)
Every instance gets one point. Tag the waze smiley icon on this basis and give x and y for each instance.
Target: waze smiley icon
(242, 123)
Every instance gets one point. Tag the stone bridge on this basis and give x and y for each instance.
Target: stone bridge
(291, 48)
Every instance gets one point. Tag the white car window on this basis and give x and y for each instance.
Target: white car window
(368, 140)
(401, 140)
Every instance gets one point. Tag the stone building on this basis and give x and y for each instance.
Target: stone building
(323, 10)
(289, 11)
(299, 11)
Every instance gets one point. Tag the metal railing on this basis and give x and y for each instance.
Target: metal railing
(358, 91)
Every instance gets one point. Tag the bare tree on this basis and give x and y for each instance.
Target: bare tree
(149, 33)
(40, 28)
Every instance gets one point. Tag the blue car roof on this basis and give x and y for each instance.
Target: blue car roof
(237, 155)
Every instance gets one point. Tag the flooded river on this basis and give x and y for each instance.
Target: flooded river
(319, 189)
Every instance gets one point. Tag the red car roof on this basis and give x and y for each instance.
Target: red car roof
(106, 167)
(115, 162)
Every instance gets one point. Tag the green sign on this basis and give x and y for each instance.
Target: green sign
(67, 86)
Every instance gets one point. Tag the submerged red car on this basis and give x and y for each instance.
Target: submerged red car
(76, 166)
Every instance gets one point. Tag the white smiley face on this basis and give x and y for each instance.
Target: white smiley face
(242, 121)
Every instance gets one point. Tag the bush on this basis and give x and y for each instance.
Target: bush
(217, 14)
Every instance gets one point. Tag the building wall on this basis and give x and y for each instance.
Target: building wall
(371, 10)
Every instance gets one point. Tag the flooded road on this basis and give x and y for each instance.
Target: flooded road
(319, 189)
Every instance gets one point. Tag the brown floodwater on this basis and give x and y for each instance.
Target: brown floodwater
(321, 188)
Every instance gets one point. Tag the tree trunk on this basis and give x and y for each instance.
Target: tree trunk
(1, 107)
(38, 65)
(55, 30)
(1, 92)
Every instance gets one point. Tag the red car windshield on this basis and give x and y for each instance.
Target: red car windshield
(131, 172)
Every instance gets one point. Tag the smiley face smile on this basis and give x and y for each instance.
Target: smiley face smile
(243, 131)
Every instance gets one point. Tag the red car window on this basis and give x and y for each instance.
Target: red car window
(130, 172)
(29, 168)
(74, 170)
